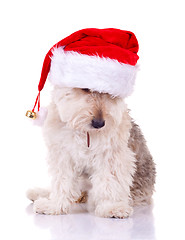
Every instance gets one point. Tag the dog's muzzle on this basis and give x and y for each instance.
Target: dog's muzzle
(98, 123)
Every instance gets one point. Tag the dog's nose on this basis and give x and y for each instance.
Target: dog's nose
(98, 123)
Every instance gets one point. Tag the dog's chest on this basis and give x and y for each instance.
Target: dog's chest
(85, 157)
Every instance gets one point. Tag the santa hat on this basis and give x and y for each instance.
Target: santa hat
(102, 60)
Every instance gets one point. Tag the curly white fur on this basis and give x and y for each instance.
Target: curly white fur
(107, 165)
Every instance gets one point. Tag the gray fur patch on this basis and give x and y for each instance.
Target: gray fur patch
(144, 177)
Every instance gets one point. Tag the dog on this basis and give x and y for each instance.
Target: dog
(96, 154)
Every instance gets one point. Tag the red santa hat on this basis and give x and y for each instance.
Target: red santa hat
(102, 60)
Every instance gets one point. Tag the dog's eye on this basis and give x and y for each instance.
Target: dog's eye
(86, 89)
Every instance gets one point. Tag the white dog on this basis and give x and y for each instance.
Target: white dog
(96, 153)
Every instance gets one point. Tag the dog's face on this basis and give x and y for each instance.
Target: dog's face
(85, 110)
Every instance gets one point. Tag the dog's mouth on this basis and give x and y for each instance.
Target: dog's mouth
(95, 124)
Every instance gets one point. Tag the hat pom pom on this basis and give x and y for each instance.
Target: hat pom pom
(41, 116)
(38, 117)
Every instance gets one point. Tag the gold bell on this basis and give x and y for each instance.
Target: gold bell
(31, 114)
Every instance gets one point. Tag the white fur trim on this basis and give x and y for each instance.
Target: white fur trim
(72, 69)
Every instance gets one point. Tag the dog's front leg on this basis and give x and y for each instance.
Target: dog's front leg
(65, 189)
(110, 194)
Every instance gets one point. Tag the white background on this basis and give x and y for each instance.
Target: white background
(28, 30)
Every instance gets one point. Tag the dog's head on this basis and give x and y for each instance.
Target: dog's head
(85, 110)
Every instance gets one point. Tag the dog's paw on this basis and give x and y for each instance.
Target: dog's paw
(36, 193)
(113, 210)
(50, 207)
(46, 206)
